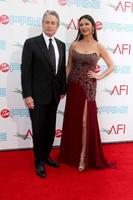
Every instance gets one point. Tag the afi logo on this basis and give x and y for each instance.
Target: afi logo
(29, 133)
(123, 49)
(58, 133)
(5, 113)
(124, 6)
(118, 129)
(75, 25)
(62, 2)
(4, 67)
(4, 19)
(119, 90)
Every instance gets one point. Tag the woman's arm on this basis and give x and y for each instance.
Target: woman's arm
(105, 56)
(69, 62)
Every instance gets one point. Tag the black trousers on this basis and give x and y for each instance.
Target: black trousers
(43, 120)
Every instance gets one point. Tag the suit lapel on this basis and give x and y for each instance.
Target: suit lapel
(43, 47)
(44, 50)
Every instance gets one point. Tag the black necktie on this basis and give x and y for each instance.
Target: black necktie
(52, 54)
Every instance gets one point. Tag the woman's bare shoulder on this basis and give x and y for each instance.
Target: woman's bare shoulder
(101, 46)
(73, 45)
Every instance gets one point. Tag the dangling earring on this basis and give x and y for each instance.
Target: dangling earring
(93, 31)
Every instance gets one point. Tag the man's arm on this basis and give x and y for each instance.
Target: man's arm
(26, 70)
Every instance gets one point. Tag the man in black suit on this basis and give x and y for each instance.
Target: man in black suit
(43, 77)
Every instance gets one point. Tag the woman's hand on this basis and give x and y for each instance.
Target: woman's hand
(92, 74)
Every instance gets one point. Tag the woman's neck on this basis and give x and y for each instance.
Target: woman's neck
(88, 39)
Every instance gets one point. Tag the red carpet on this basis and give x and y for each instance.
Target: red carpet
(18, 180)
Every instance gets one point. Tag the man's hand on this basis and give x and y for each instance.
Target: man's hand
(29, 102)
(62, 96)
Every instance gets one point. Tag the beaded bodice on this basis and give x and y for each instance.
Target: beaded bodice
(82, 63)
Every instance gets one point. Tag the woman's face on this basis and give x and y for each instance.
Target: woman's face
(86, 27)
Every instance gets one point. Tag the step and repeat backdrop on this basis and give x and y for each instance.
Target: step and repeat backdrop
(21, 19)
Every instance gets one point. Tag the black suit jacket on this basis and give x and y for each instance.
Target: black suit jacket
(37, 74)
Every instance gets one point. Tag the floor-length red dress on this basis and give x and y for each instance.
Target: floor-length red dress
(81, 88)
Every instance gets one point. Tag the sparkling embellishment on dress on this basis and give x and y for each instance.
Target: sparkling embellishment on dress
(82, 63)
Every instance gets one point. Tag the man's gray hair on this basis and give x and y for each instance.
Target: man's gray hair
(51, 12)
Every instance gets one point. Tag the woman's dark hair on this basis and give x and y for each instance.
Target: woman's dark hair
(80, 35)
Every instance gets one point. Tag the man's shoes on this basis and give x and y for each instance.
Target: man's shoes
(40, 170)
(51, 163)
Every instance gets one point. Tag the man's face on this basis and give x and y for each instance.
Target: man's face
(50, 25)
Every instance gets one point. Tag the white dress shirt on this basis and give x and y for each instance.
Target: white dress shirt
(46, 38)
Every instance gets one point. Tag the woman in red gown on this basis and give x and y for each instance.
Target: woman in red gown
(81, 144)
